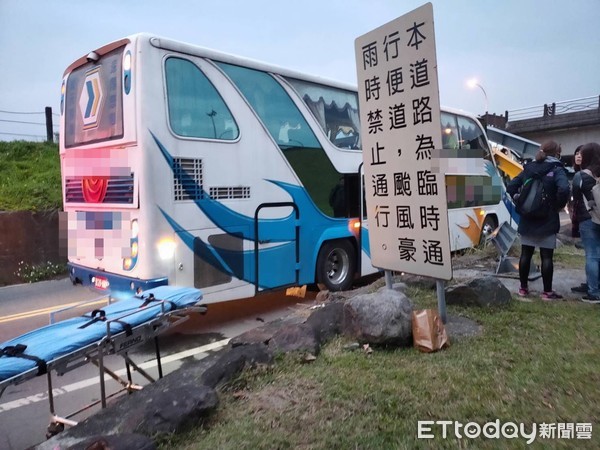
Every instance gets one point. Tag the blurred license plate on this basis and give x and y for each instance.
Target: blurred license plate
(101, 283)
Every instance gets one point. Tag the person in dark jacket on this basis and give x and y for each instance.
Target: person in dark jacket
(571, 205)
(589, 231)
(541, 232)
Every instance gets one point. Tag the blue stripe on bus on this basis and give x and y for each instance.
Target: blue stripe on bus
(314, 227)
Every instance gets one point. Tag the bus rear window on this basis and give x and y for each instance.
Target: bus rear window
(94, 101)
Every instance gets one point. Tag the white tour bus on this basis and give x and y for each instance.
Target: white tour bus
(182, 165)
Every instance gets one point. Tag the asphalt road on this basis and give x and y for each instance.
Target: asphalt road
(24, 408)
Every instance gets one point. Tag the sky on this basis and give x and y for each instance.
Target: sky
(523, 53)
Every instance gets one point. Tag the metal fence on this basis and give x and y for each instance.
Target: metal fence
(553, 109)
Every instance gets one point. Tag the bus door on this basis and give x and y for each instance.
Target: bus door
(276, 247)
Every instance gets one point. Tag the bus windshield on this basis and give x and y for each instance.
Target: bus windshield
(93, 101)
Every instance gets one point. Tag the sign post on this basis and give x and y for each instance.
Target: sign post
(401, 139)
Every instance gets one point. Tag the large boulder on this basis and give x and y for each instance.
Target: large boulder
(486, 291)
(383, 317)
(298, 337)
(326, 322)
(116, 442)
(230, 363)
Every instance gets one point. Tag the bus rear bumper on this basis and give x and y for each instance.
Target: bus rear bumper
(110, 282)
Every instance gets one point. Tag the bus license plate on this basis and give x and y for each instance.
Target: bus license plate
(101, 283)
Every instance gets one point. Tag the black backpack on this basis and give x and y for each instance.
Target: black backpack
(532, 199)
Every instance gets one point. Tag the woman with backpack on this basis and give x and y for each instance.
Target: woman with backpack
(539, 228)
(588, 229)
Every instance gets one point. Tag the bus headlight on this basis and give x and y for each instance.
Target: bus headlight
(166, 248)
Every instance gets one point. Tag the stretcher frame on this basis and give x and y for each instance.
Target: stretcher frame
(113, 343)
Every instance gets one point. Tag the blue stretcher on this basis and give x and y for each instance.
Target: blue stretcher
(114, 329)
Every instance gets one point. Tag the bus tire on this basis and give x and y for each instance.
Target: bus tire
(489, 225)
(336, 265)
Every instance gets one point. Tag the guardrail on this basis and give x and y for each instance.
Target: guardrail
(556, 108)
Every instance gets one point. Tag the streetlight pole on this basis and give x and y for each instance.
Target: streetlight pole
(472, 84)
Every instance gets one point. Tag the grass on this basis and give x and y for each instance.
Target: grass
(29, 176)
(535, 362)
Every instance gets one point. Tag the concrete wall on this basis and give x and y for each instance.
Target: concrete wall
(32, 237)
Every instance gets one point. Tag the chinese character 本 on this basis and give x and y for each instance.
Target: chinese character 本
(416, 36)
(425, 147)
(419, 74)
(380, 185)
(372, 87)
(394, 81)
(403, 217)
(402, 184)
(407, 249)
(384, 212)
(421, 110)
(375, 123)
(369, 55)
(430, 217)
(397, 117)
(426, 183)
(393, 40)
(433, 252)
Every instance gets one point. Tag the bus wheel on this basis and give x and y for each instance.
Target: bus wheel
(488, 227)
(336, 265)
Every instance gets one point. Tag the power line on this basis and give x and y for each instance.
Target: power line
(20, 121)
(27, 135)
(16, 112)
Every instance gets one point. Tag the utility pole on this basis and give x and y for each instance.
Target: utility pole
(49, 133)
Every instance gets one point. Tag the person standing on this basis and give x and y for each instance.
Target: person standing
(541, 231)
(590, 231)
(571, 204)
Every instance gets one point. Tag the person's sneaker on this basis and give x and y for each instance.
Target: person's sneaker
(523, 292)
(591, 299)
(581, 289)
(551, 296)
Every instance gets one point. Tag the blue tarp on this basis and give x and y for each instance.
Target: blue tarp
(53, 341)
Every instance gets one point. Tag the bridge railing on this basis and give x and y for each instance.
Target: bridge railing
(553, 109)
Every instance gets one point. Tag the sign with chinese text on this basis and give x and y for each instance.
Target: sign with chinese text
(401, 139)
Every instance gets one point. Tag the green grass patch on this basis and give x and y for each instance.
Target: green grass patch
(535, 362)
(29, 176)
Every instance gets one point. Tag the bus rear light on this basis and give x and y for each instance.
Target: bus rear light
(129, 263)
(127, 73)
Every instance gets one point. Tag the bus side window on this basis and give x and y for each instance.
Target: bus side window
(471, 136)
(195, 107)
(449, 131)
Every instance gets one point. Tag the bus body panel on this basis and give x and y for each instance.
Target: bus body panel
(226, 212)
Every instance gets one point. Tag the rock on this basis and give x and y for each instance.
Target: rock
(298, 337)
(486, 291)
(264, 333)
(384, 317)
(326, 322)
(230, 363)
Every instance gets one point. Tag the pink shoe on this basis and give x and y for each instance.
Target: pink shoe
(523, 292)
(551, 296)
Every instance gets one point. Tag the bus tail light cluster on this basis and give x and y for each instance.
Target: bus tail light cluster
(129, 263)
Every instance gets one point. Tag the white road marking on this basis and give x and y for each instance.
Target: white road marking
(92, 381)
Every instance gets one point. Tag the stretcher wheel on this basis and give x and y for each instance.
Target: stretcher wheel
(54, 428)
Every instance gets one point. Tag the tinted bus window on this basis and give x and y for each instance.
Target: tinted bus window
(195, 107)
(336, 111)
(94, 101)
